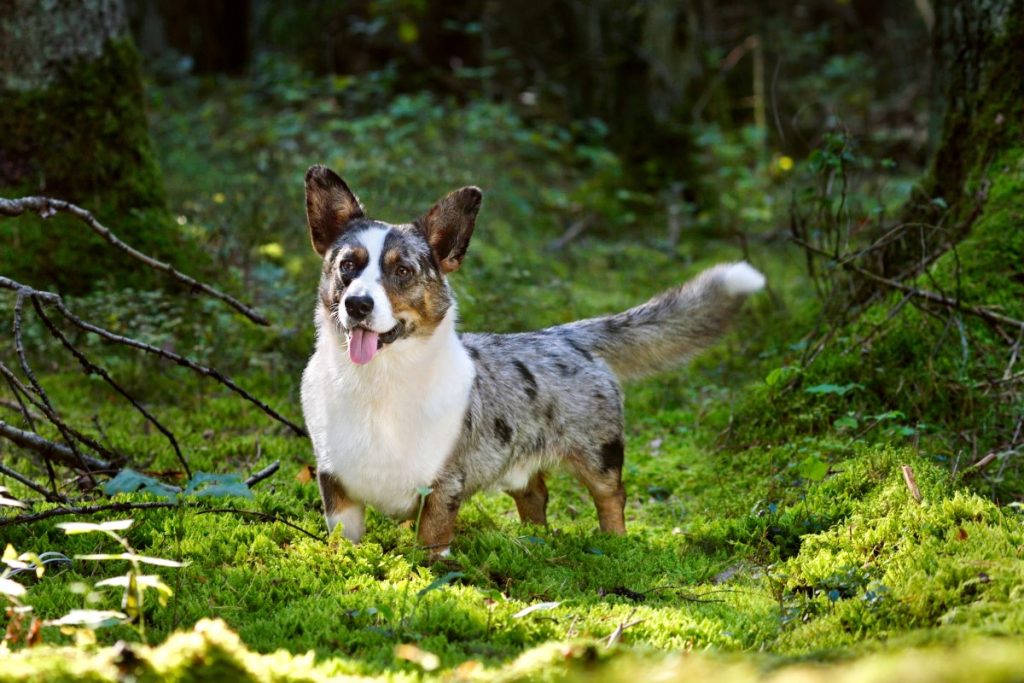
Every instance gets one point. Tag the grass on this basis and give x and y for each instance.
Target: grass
(763, 539)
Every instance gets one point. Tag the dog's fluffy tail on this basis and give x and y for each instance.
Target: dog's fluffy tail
(671, 327)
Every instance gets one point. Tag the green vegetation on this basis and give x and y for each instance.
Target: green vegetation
(86, 135)
(771, 532)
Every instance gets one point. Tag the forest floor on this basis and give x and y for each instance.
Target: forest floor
(794, 551)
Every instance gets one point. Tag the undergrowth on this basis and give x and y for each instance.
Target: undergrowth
(769, 520)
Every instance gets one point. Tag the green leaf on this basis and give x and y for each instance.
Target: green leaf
(440, 582)
(209, 485)
(130, 481)
(813, 468)
(846, 423)
(833, 389)
(780, 376)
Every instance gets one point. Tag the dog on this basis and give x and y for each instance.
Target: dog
(398, 402)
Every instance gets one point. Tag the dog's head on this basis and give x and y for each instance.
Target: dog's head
(383, 283)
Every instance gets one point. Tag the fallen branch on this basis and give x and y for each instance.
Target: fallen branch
(46, 207)
(50, 450)
(52, 496)
(621, 628)
(127, 506)
(91, 368)
(55, 300)
(977, 311)
(265, 473)
(911, 482)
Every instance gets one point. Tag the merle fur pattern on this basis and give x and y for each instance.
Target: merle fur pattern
(517, 404)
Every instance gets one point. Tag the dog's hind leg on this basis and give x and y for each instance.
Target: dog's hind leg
(532, 501)
(601, 473)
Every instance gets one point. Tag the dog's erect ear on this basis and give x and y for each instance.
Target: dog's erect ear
(449, 225)
(330, 206)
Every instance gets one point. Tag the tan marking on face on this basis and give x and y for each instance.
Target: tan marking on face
(422, 303)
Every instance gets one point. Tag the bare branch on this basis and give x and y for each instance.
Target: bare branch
(91, 368)
(52, 496)
(125, 506)
(79, 463)
(50, 450)
(977, 311)
(55, 300)
(265, 473)
(46, 207)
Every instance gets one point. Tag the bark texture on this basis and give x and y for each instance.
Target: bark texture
(978, 123)
(74, 127)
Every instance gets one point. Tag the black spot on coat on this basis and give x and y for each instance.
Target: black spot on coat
(612, 455)
(531, 381)
(580, 350)
(503, 431)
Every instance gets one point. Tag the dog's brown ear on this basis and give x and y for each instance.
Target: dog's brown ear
(449, 225)
(330, 206)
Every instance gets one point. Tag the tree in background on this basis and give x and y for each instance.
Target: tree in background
(74, 127)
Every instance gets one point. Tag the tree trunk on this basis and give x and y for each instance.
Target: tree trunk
(74, 127)
(978, 124)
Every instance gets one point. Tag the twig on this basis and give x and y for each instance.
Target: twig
(46, 406)
(91, 368)
(52, 496)
(982, 464)
(78, 460)
(46, 207)
(20, 406)
(50, 450)
(908, 477)
(983, 313)
(621, 628)
(265, 473)
(574, 231)
(57, 302)
(84, 510)
(125, 506)
(266, 516)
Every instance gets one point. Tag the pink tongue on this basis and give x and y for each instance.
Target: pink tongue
(362, 346)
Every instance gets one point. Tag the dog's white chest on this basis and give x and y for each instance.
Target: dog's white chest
(387, 428)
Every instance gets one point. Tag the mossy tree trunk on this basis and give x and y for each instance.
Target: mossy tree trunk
(978, 124)
(74, 127)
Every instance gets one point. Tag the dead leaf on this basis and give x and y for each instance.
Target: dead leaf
(305, 474)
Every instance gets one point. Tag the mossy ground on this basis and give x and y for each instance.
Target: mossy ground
(759, 531)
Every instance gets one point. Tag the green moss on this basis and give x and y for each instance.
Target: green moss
(83, 138)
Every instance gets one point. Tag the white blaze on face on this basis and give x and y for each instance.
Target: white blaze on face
(363, 340)
(369, 283)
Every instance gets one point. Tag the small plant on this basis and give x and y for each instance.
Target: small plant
(134, 583)
(13, 591)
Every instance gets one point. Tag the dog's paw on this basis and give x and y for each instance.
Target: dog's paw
(742, 278)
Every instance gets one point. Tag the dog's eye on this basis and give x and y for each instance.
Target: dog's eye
(403, 271)
(347, 266)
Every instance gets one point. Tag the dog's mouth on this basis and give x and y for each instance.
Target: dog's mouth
(363, 343)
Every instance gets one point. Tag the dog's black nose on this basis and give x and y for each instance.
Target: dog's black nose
(359, 307)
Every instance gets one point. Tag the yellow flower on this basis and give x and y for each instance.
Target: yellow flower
(785, 163)
(271, 250)
(219, 198)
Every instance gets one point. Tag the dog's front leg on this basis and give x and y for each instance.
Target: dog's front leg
(437, 523)
(340, 509)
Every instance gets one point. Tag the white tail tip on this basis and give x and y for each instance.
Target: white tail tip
(741, 278)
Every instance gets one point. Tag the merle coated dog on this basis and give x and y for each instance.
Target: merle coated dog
(397, 399)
